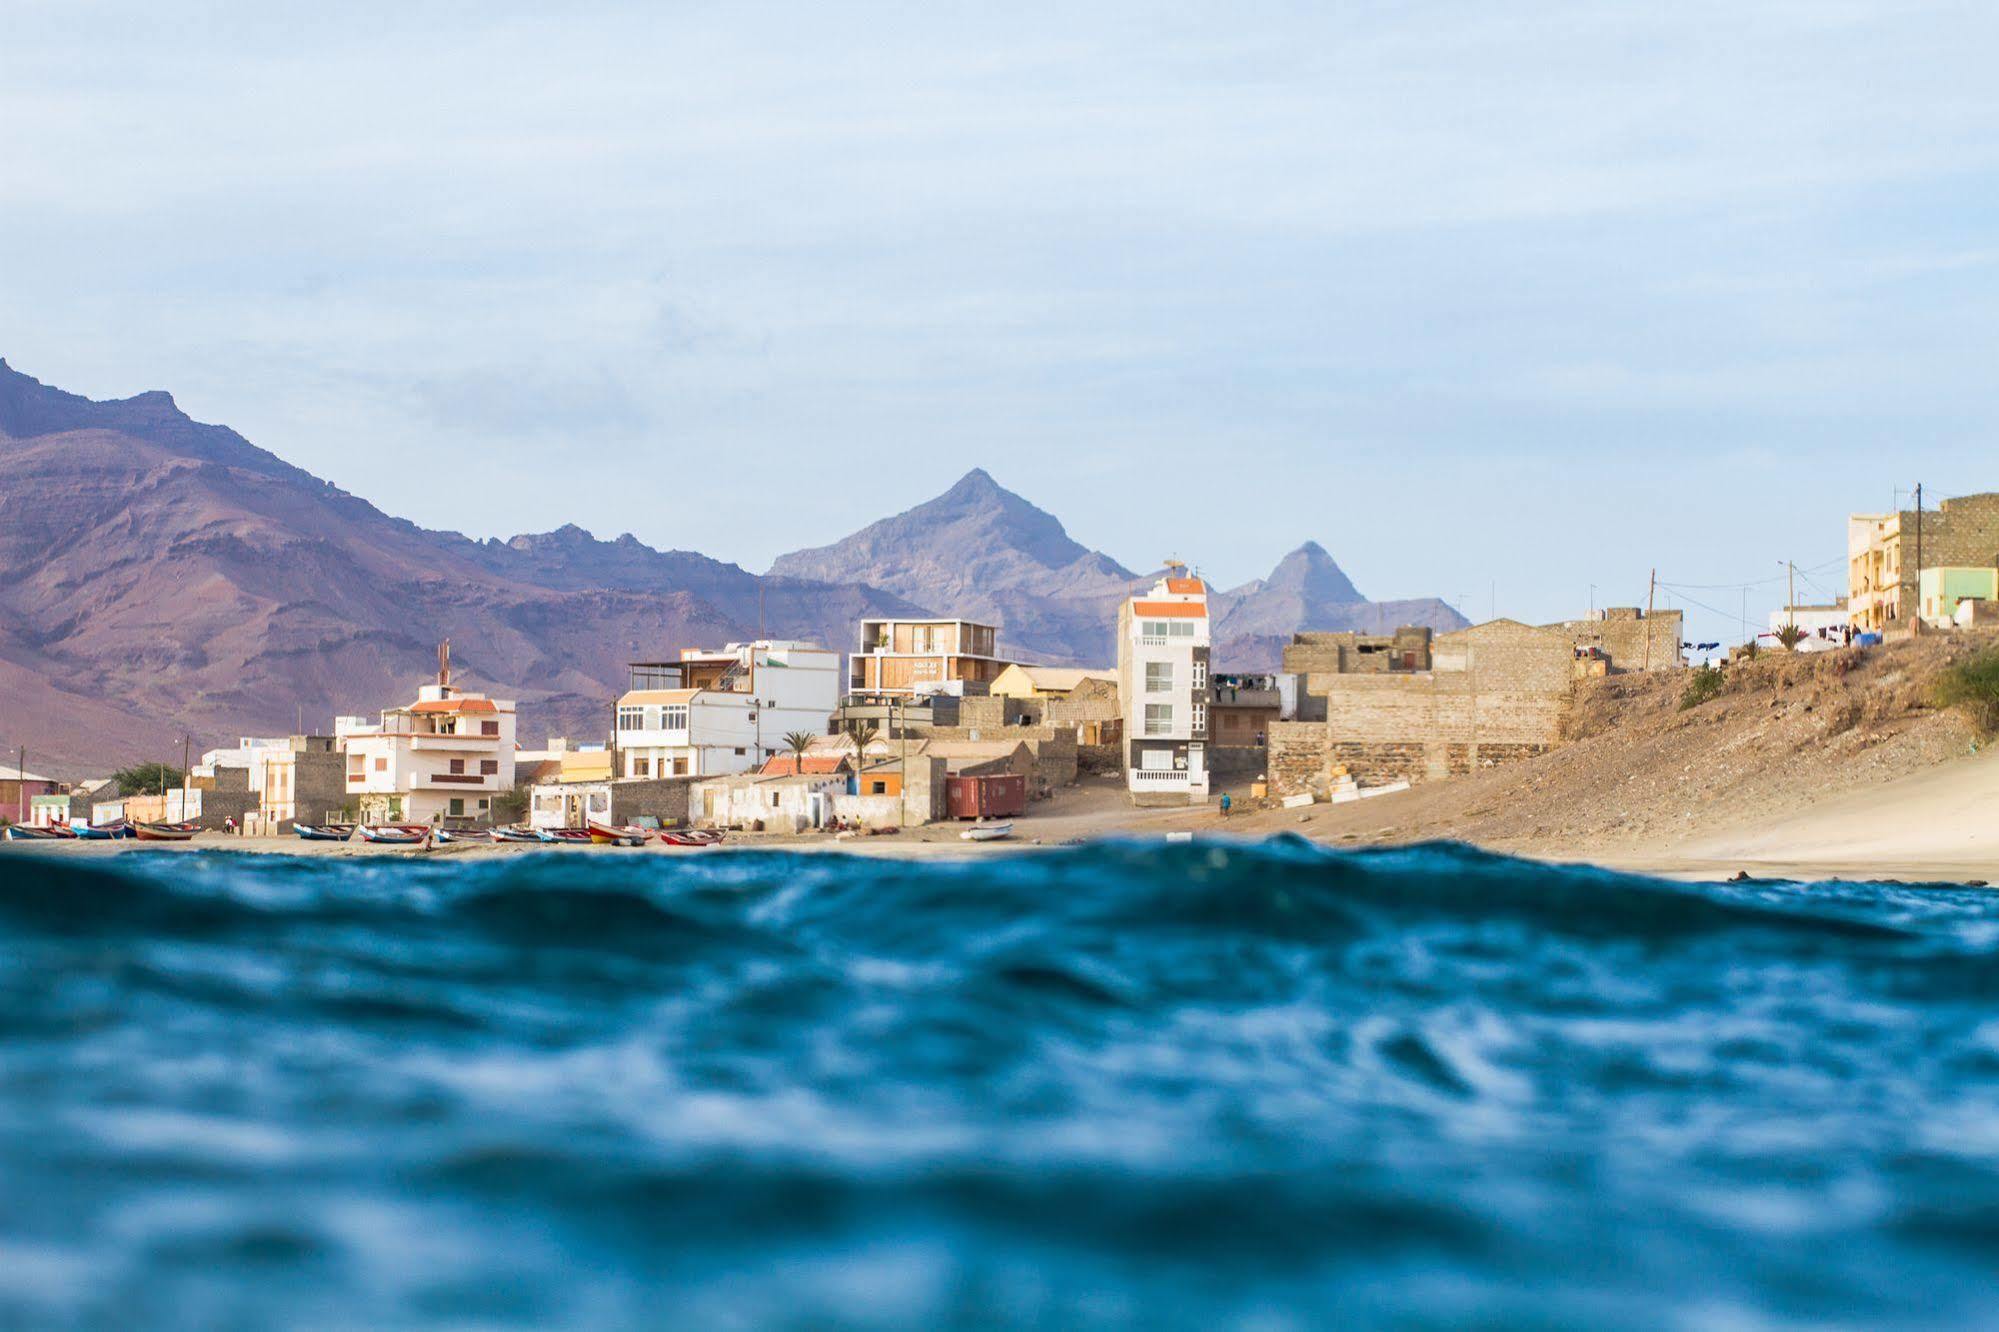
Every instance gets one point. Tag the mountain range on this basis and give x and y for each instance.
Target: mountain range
(162, 578)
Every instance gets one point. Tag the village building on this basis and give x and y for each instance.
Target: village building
(1942, 588)
(712, 713)
(755, 802)
(1617, 640)
(18, 789)
(1313, 656)
(1241, 709)
(1820, 628)
(890, 714)
(1887, 553)
(448, 755)
(1487, 695)
(898, 656)
(1020, 680)
(1163, 647)
(305, 781)
(644, 802)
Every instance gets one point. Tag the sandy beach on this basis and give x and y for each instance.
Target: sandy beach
(1937, 824)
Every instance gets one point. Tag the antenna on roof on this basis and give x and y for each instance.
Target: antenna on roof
(1176, 566)
(444, 665)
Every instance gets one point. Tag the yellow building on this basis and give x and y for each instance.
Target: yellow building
(1022, 681)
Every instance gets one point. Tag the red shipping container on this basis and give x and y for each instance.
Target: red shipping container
(997, 797)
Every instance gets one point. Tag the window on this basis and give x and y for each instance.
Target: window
(631, 719)
(774, 797)
(484, 803)
(457, 807)
(1158, 677)
(1200, 675)
(674, 717)
(489, 728)
(1182, 629)
(1152, 631)
(489, 767)
(381, 765)
(1158, 718)
(641, 767)
(458, 765)
(680, 767)
(740, 751)
(1200, 718)
(1155, 760)
(876, 786)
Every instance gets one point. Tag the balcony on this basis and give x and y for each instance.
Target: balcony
(423, 740)
(481, 781)
(1159, 776)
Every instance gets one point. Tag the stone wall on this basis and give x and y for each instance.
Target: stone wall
(1497, 693)
(1298, 758)
(1629, 637)
(662, 798)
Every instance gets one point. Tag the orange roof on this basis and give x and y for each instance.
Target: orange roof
(1171, 609)
(816, 765)
(1186, 585)
(454, 705)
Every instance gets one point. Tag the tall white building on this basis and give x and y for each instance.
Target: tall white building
(712, 713)
(448, 755)
(1163, 688)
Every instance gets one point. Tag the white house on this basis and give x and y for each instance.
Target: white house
(712, 713)
(1163, 688)
(1823, 627)
(447, 755)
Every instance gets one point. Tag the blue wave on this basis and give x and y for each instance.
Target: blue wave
(1117, 1085)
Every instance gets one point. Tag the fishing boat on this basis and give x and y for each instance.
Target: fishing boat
(519, 835)
(987, 832)
(394, 834)
(165, 832)
(104, 832)
(569, 836)
(689, 837)
(22, 832)
(323, 832)
(464, 835)
(611, 834)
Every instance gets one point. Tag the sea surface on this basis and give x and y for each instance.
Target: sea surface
(1118, 1086)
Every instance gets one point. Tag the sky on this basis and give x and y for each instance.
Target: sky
(1510, 304)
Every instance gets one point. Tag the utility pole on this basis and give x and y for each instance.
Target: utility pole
(1651, 595)
(902, 729)
(1917, 626)
(185, 740)
(21, 786)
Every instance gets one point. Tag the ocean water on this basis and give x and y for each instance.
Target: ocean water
(1117, 1086)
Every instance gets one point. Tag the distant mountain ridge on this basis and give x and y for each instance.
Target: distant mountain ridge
(161, 577)
(981, 551)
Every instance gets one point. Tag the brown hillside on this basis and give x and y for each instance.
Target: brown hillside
(1642, 774)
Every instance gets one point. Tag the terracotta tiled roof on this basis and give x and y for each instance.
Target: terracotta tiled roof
(1190, 585)
(1164, 610)
(454, 705)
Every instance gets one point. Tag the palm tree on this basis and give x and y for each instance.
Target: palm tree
(865, 734)
(798, 742)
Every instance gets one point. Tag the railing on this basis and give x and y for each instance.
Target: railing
(1159, 776)
(457, 778)
(449, 740)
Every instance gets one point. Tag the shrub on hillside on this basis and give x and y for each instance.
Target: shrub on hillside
(1973, 685)
(1702, 685)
